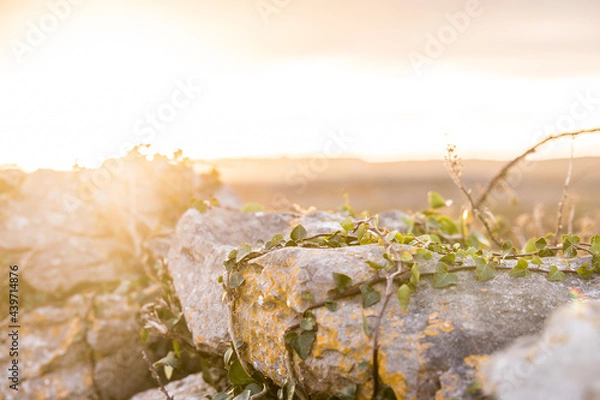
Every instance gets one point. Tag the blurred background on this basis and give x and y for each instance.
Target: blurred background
(306, 98)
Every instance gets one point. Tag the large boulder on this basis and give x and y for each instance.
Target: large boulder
(201, 244)
(433, 349)
(81, 349)
(84, 241)
(91, 226)
(560, 363)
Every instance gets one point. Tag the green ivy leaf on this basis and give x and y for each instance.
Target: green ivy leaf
(342, 281)
(448, 259)
(252, 207)
(366, 327)
(595, 244)
(375, 266)
(568, 245)
(144, 334)
(347, 224)
(242, 252)
(177, 349)
(301, 343)
(406, 257)
(584, 272)
(245, 395)
(331, 305)
(276, 240)
(360, 232)
(387, 393)
(536, 260)
(442, 277)
(236, 279)
(596, 262)
(298, 233)
(520, 270)
(447, 225)
(221, 396)
(530, 246)
(423, 254)
(484, 270)
(237, 375)
(370, 296)
(168, 370)
(309, 322)
(404, 296)
(228, 356)
(507, 247)
(541, 243)
(415, 274)
(435, 200)
(555, 275)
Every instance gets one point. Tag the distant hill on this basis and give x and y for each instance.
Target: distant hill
(404, 185)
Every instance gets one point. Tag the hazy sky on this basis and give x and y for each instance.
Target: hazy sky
(84, 80)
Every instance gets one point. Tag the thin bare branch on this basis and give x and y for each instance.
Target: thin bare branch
(504, 171)
(454, 165)
(565, 194)
(156, 377)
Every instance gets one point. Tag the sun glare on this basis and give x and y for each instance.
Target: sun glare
(105, 82)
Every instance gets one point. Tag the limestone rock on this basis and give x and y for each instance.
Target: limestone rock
(86, 226)
(434, 349)
(561, 363)
(54, 360)
(200, 246)
(192, 387)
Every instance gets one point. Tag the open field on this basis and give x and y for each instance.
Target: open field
(404, 185)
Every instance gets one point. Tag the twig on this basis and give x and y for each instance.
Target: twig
(231, 325)
(561, 204)
(155, 375)
(454, 165)
(388, 294)
(504, 171)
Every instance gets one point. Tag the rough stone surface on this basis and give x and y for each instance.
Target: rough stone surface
(113, 336)
(74, 227)
(200, 246)
(561, 363)
(75, 236)
(434, 349)
(86, 346)
(192, 387)
(51, 348)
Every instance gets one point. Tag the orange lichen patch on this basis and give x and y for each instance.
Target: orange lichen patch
(447, 326)
(474, 360)
(394, 379)
(435, 325)
(199, 339)
(450, 384)
(431, 331)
